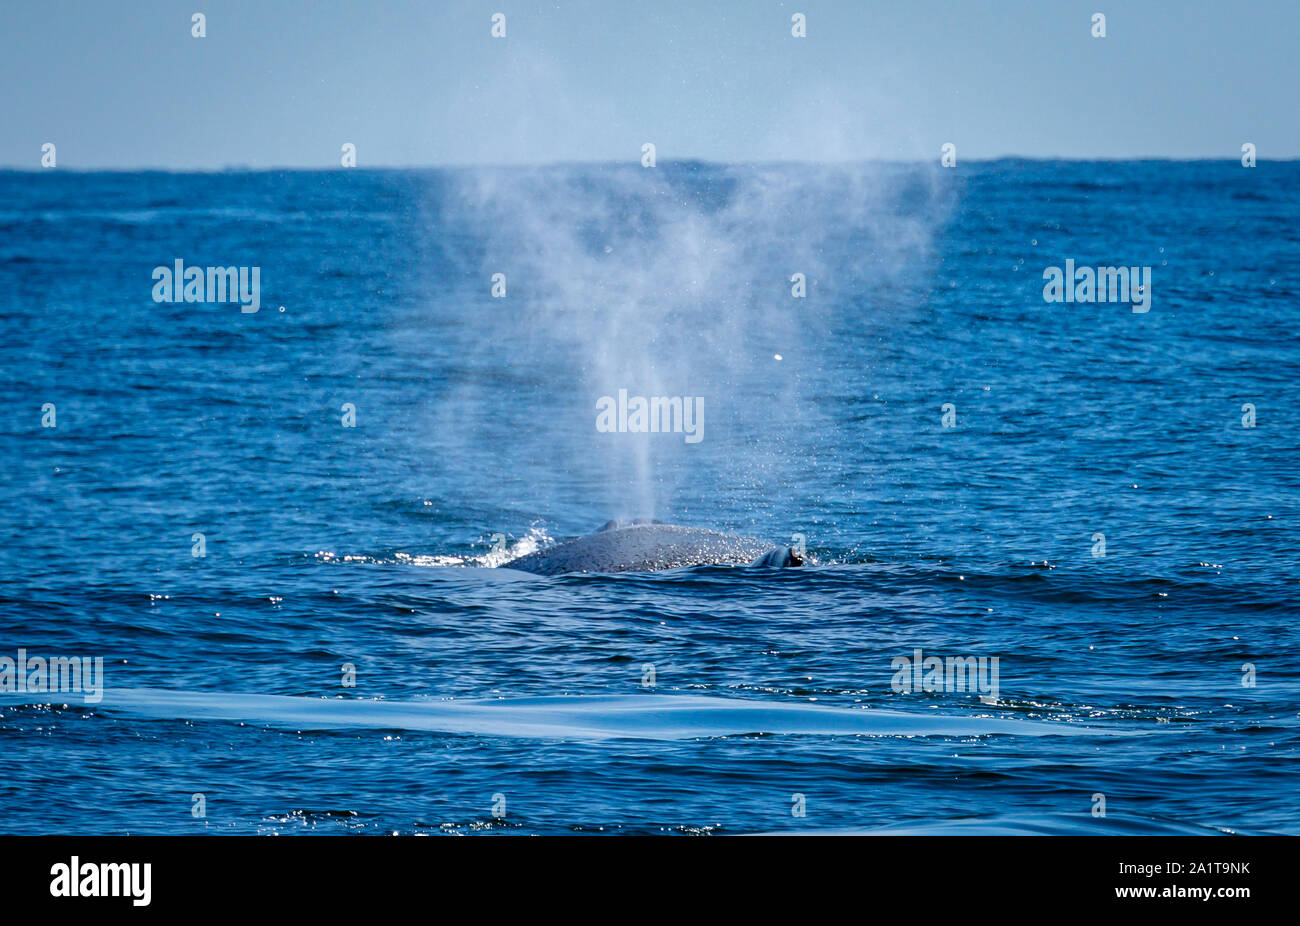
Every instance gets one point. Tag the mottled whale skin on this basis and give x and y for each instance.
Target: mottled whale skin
(649, 546)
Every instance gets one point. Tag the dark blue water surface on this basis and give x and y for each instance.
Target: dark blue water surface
(478, 688)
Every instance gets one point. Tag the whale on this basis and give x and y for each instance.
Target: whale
(652, 546)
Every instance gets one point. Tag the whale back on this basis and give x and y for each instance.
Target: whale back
(649, 546)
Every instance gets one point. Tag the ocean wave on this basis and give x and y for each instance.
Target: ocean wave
(1026, 824)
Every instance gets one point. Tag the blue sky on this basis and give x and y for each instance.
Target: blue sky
(282, 83)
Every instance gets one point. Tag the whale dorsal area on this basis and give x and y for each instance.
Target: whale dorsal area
(644, 546)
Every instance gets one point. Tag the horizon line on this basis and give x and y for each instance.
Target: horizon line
(675, 162)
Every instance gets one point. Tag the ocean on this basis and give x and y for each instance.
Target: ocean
(279, 528)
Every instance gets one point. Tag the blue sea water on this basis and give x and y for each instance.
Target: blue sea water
(700, 700)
